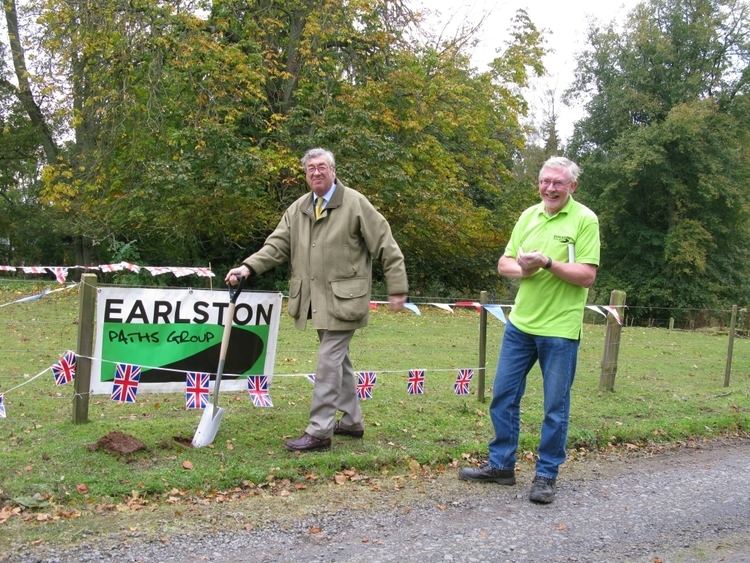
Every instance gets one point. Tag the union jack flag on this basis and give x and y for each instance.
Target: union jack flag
(461, 386)
(365, 382)
(2, 406)
(64, 370)
(125, 385)
(415, 383)
(257, 388)
(196, 390)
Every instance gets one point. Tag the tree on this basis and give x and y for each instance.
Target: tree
(183, 131)
(664, 152)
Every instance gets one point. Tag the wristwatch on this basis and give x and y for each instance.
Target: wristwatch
(548, 265)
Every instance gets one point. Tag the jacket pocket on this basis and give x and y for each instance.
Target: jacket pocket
(351, 298)
(295, 285)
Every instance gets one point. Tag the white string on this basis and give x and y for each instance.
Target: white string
(39, 295)
(297, 374)
(45, 370)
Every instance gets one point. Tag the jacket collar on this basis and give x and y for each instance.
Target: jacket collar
(338, 196)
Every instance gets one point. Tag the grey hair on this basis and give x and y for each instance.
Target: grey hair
(561, 162)
(317, 152)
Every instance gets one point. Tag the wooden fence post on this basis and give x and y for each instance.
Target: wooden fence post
(730, 348)
(612, 342)
(482, 346)
(82, 381)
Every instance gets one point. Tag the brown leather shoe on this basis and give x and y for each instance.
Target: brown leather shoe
(306, 443)
(347, 431)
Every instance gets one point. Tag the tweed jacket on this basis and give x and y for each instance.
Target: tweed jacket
(331, 259)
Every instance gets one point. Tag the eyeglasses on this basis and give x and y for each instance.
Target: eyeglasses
(322, 168)
(546, 182)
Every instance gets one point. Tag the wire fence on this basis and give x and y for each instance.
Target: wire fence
(34, 333)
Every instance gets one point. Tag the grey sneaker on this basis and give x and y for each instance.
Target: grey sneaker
(488, 474)
(542, 490)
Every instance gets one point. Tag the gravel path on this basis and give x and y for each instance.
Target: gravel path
(690, 504)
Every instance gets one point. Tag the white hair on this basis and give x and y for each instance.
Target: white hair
(561, 162)
(316, 153)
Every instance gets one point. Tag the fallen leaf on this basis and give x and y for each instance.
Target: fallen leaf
(187, 465)
(68, 514)
(82, 488)
(31, 502)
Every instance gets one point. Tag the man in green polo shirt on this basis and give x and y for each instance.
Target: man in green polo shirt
(554, 251)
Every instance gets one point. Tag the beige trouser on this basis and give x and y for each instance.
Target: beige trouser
(334, 385)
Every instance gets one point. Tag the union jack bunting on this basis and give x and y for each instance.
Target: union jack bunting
(365, 382)
(311, 378)
(64, 370)
(196, 390)
(415, 383)
(2, 406)
(257, 388)
(461, 386)
(125, 385)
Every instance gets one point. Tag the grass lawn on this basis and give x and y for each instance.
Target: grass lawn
(669, 387)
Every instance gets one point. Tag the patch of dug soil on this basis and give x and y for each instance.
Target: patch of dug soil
(118, 443)
(184, 441)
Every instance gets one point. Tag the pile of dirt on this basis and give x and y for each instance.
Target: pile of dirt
(118, 443)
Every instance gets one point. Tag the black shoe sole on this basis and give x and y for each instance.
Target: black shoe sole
(508, 481)
(346, 432)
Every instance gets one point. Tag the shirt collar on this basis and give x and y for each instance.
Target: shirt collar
(564, 210)
(328, 195)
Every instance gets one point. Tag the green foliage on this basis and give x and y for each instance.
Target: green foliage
(664, 152)
(187, 130)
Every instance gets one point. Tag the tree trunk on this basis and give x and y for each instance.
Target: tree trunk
(24, 93)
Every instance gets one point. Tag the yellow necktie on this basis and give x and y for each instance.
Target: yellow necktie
(318, 208)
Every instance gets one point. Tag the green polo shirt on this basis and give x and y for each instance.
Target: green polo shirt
(546, 305)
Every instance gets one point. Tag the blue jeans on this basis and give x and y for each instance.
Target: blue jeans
(557, 359)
